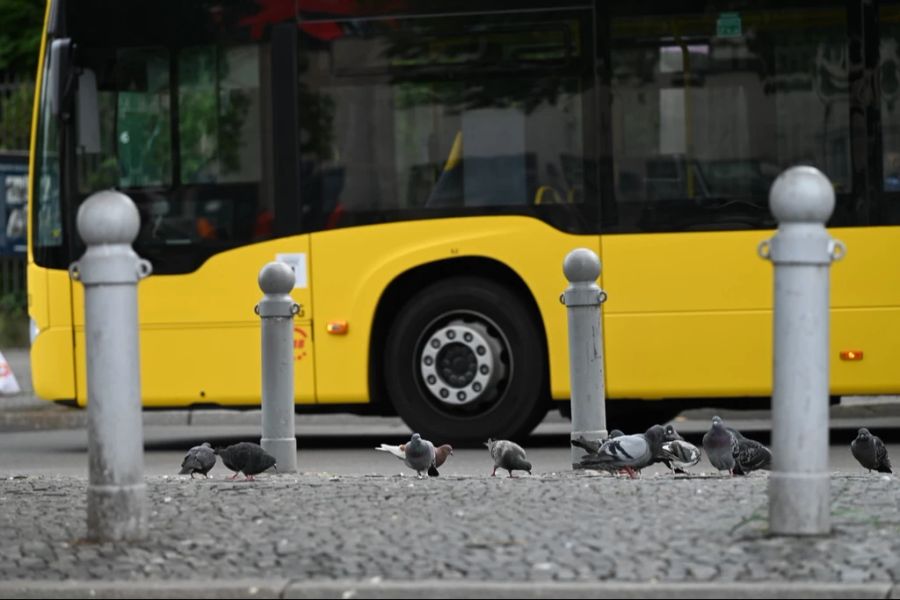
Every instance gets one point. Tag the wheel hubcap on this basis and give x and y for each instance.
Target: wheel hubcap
(461, 363)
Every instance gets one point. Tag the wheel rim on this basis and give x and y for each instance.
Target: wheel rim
(463, 361)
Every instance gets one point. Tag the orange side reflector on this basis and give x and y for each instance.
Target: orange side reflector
(337, 327)
(851, 354)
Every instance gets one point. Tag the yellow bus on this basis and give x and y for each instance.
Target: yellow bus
(426, 166)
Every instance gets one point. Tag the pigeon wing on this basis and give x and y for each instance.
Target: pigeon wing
(882, 462)
(395, 450)
(750, 455)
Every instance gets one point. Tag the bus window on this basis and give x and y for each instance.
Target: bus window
(48, 221)
(889, 72)
(705, 117)
(415, 117)
(183, 127)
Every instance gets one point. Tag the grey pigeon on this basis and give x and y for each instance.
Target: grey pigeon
(870, 451)
(728, 450)
(676, 453)
(441, 454)
(593, 446)
(718, 443)
(199, 459)
(679, 454)
(630, 453)
(247, 458)
(507, 455)
(419, 454)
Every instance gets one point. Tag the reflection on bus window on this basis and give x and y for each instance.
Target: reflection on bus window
(703, 123)
(451, 112)
(890, 107)
(218, 111)
(48, 226)
(143, 129)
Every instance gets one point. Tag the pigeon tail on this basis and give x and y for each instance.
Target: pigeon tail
(588, 445)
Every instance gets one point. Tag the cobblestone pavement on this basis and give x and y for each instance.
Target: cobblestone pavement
(566, 527)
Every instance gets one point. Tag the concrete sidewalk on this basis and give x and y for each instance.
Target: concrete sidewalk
(555, 535)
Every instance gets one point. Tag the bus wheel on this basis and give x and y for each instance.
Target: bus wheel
(465, 361)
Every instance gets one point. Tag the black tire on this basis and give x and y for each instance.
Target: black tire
(500, 392)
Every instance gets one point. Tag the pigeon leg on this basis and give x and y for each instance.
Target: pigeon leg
(494, 472)
(511, 476)
(233, 476)
(192, 474)
(249, 478)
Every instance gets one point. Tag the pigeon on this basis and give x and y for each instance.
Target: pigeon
(677, 454)
(247, 458)
(199, 459)
(870, 452)
(589, 446)
(592, 446)
(419, 455)
(441, 453)
(507, 455)
(629, 453)
(728, 450)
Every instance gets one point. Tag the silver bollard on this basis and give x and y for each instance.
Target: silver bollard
(108, 222)
(583, 298)
(276, 311)
(802, 200)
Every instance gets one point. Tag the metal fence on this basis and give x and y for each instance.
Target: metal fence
(16, 96)
(12, 275)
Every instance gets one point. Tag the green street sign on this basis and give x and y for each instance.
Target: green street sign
(728, 25)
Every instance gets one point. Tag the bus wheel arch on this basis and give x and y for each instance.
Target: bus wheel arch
(478, 315)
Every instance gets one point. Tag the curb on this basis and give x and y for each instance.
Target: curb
(374, 588)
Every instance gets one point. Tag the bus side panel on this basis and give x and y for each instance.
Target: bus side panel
(668, 355)
(52, 359)
(698, 323)
(865, 294)
(200, 338)
(348, 289)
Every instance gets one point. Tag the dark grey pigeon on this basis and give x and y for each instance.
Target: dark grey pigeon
(870, 451)
(507, 455)
(199, 459)
(719, 444)
(629, 453)
(593, 446)
(745, 455)
(750, 456)
(419, 455)
(247, 458)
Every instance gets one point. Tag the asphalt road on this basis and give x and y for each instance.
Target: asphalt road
(64, 452)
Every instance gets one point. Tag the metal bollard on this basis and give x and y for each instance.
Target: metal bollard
(108, 222)
(583, 298)
(276, 311)
(802, 200)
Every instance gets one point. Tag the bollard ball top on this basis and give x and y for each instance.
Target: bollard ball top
(276, 278)
(581, 264)
(802, 195)
(108, 217)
